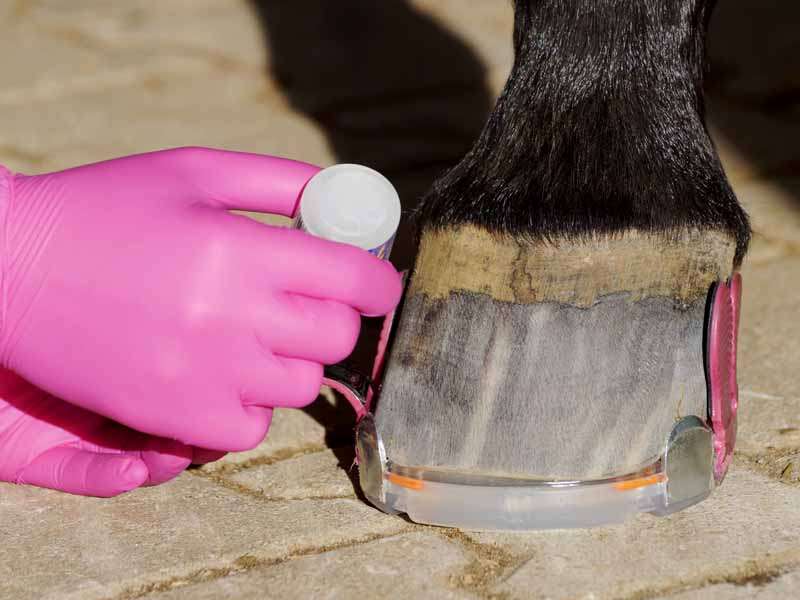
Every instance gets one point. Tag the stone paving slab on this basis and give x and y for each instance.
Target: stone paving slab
(148, 111)
(763, 250)
(61, 546)
(325, 423)
(415, 565)
(778, 587)
(769, 357)
(773, 206)
(774, 209)
(206, 28)
(749, 525)
(316, 475)
(486, 27)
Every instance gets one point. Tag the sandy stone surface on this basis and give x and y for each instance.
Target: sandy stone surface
(771, 587)
(747, 526)
(317, 475)
(769, 377)
(60, 546)
(415, 565)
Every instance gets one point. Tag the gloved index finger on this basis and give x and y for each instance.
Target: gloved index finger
(241, 180)
(323, 269)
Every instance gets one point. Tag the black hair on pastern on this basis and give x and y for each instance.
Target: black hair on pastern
(600, 128)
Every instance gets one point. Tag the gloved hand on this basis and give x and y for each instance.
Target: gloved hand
(129, 290)
(49, 443)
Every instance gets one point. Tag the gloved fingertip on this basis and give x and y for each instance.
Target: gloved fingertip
(387, 296)
(130, 472)
(165, 459)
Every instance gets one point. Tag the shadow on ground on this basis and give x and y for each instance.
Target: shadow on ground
(753, 87)
(390, 87)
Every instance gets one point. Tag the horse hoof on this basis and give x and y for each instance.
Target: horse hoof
(534, 384)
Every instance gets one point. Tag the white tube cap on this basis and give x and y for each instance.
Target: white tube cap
(352, 204)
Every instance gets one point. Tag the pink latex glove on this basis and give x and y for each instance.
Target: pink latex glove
(49, 443)
(129, 290)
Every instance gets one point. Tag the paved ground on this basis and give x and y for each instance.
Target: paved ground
(403, 89)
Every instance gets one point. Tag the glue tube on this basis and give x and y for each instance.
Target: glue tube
(352, 204)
